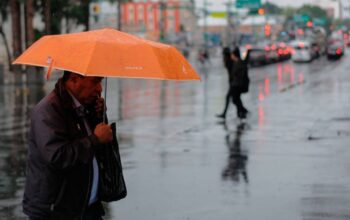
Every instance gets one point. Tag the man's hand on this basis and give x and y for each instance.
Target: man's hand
(103, 132)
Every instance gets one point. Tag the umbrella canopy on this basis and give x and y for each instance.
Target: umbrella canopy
(108, 53)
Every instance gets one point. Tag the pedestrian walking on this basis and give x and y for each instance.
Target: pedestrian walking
(239, 83)
(228, 63)
(65, 176)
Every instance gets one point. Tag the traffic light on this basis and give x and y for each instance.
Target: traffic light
(267, 30)
(96, 9)
(309, 24)
(261, 11)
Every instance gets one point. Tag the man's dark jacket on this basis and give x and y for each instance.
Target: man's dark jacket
(59, 164)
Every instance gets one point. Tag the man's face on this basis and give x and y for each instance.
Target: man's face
(88, 89)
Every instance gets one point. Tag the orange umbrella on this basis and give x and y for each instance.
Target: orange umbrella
(108, 53)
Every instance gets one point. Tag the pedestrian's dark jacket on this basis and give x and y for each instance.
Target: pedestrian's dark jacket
(60, 154)
(236, 73)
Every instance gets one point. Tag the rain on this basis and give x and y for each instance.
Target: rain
(287, 160)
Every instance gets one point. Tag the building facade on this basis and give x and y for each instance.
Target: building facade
(333, 7)
(157, 19)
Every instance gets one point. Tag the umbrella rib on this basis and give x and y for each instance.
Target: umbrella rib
(90, 57)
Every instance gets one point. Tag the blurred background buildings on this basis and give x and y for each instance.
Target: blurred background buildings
(187, 24)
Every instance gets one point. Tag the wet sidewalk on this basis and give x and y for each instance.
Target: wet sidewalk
(288, 160)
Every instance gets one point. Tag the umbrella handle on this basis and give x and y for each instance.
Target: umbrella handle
(49, 71)
(105, 105)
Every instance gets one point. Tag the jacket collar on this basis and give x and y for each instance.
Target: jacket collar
(63, 95)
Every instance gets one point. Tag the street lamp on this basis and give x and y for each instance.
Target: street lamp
(205, 23)
(119, 2)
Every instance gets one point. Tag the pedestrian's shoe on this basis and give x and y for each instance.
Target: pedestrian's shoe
(221, 116)
(242, 115)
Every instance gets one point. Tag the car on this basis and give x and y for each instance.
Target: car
(284, 51)
(271, 51)
(257, 56)
(302, 51)
(335, 49)
(245, 42)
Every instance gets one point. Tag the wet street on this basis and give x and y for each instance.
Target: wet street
(288, 160)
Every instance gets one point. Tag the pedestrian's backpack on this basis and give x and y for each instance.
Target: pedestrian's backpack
(244, 84)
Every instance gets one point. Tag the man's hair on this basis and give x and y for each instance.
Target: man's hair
(67, 74)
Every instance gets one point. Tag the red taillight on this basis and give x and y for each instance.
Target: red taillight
(273, 47)
(300, 32)
(338, 51)
(267, 48)
(248, 46)
(280, 51)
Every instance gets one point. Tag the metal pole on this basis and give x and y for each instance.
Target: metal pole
(105, 105)
(119, 15)
(229, 37)
(162, 20)
(205, 24)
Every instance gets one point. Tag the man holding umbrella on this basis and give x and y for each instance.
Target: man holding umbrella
(73, 158)
(66, 137)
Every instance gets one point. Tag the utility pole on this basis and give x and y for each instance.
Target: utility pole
(205, 28)
(230, 26)
(162, 27)
(119, 11)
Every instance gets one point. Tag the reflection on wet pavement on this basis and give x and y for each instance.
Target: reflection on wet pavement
(236, 168)
(16, 103)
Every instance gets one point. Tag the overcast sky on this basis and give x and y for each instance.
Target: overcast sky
(294, 3)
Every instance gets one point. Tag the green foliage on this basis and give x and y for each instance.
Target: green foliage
(289, 12)
(272, 9)
(312, 11)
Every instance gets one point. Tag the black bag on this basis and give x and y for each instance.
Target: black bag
(244, 79)
(112, 183)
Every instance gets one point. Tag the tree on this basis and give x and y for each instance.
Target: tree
(29, 12)
(86, 13)
(32, 77)
(271, 9)
(46, 4)
(4, 4)
(16, 32)
(289, 12)
(312, 11)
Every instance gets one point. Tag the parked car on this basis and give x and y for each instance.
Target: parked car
(302, 51)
